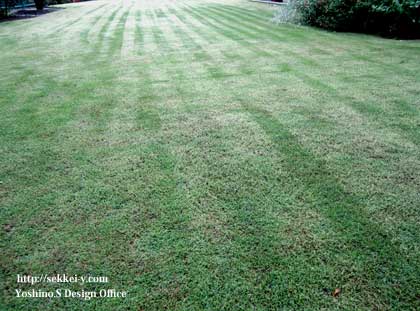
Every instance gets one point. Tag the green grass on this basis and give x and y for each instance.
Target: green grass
(203, 158)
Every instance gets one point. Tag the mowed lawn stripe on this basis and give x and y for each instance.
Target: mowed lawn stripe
(139, 35)
(116, 33)
(254, 19)
(95, 30)
(201, 51)
(235, 34)
(319, 83)
(344, 218)
(360, 106)
(345, 210)
(206, 36)
(191, 24)
(78, 20)
(378, 115)
(167, 217)
(263, 32)
(103, 31)
(244, 245)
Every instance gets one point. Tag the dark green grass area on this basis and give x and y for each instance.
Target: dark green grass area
(203, 158)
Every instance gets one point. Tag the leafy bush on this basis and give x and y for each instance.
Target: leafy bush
(402, 18)
(393, 18)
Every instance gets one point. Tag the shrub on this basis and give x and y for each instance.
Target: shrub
(39, 4)
(401, 18)
(392, 18)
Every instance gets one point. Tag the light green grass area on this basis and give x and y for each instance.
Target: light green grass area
(204, 158)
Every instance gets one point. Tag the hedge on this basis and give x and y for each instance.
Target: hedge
(391, 18)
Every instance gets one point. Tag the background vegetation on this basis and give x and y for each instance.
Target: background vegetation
(392, 18)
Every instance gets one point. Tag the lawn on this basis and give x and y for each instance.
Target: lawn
(203, 158)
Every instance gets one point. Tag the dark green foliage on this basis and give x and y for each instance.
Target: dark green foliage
(52, 2)
(393, 18)
(39, 4)
(5, 6)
